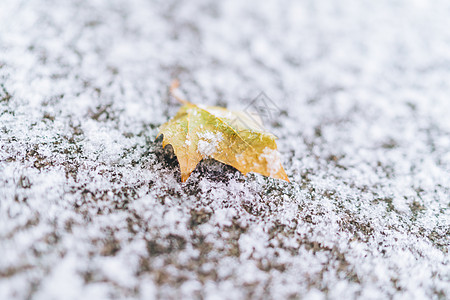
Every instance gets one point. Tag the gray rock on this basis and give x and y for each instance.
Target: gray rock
(92, 207)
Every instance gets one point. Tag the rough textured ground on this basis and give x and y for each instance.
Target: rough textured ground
(91, 206)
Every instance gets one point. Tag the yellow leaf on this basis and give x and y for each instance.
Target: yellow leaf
(233, 138)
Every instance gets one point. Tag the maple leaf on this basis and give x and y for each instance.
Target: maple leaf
(231, 137)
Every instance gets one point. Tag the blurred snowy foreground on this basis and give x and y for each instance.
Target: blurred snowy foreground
(92, 207)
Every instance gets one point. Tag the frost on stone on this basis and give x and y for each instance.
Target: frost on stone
(91, 207)
(208, 142)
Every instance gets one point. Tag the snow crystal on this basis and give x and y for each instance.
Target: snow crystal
(208, 142)
(220, 113)
(272, 158)
(91, 205)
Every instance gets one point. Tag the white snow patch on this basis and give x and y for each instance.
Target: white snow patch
(220, 113)
(208, 142)
(272, 157)
(365, 106)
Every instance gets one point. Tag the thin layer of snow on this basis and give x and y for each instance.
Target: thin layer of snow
(272, 158)
(208, 142)
(219, 113)
(91, 206)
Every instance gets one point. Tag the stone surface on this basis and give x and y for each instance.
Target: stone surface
(91, 206)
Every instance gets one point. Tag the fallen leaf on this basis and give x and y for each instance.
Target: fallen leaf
(234, 138)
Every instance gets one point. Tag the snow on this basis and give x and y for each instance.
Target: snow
(208, 142)
(272, 157)
(219, 113)
(92, 207)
